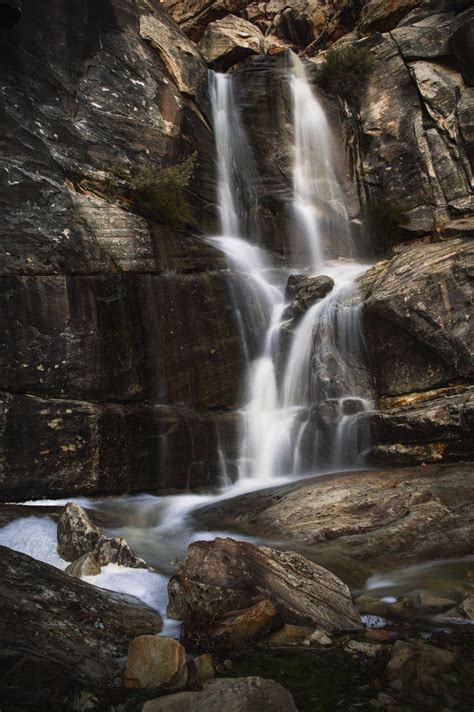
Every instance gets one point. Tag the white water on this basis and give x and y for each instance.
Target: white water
(325, 357)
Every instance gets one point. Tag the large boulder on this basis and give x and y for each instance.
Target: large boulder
(60, 635)
(245, 694)
(229, 41)
(360, 522)
(226, 575)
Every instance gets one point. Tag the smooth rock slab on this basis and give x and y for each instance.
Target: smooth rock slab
(248, 694)
(225, 575)
(156, 662)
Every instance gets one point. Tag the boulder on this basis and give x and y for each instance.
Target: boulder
(78, 536)
(85, 565)
(428, 600)
(200, 669)
(229, 41)
(420, 667)
(245, 694)
(238, 627)
(60, 635)
(289, 635)
(225, 575)
(155, 662)
(303, 292)
(356, 523)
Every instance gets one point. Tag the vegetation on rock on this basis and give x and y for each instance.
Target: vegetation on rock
(345, 71)
(382, 223)
(158, 193)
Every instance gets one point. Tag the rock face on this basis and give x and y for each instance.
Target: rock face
(156, 662)
(225, 575)
(360, 522)
(229, 41)
(111, 309)
(245, 694)
(417, 317)
(60, 635)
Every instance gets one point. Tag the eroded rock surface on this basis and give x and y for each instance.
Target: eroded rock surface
(225, 575)
(358, 522)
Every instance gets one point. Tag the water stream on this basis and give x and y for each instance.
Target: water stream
(305, 395)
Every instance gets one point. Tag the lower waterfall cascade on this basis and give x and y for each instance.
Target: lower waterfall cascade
(308, 415)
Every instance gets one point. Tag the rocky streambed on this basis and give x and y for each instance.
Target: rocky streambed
(263, 612)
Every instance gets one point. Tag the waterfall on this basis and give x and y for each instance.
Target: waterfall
(306, 415)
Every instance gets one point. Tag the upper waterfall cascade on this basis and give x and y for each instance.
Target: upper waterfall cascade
(305, 415)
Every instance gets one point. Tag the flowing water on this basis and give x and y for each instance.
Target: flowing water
(306, 389)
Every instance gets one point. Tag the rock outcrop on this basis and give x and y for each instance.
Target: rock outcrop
(226, 575)
(60, 635)
(355, 523)
(229, 41)
(79, 537)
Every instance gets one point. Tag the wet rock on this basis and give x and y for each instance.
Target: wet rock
(468, 607)
(200, 669)
(156, 662)
(304, 292)
(61, 635)
(78, 536)
(371, 605)
(428, 600)
(355, 522)
(420, 667)
(289, 635)
(381, 635)
(225, 575)
(229, 41)
(366, 650)
(238, 627)
(85, 565)
(245, 694)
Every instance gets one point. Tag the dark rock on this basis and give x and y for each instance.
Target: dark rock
(245, 694)
(77, 536)
(355, 523)
(421, 668)
(465, 113)
(425, 39)
(61, 635)
(379, 16)
(304, 292)
(229, 41)
(416, 317)
(225, 575)
(462, 43)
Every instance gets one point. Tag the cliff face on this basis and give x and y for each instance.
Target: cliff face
(121, 359)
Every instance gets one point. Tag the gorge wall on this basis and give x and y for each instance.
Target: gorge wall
(122, 366)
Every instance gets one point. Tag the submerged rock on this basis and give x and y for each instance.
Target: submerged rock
(225, 575)
(156, 662)
(245, 694)
(61, 635)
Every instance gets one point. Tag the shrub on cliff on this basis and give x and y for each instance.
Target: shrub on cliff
(383, 221)
(345, 71)
(158, 193)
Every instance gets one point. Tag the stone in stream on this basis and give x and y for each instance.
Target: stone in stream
(305, 291)
(85, 565)
(61, 635)
(227, 575)
(156, 662)
(78, 536)
(245, 694)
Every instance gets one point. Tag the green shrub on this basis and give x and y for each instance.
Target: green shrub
(345, 71)
(158, 193)
(382, 222)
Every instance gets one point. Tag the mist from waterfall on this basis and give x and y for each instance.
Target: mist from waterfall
(302, 416)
